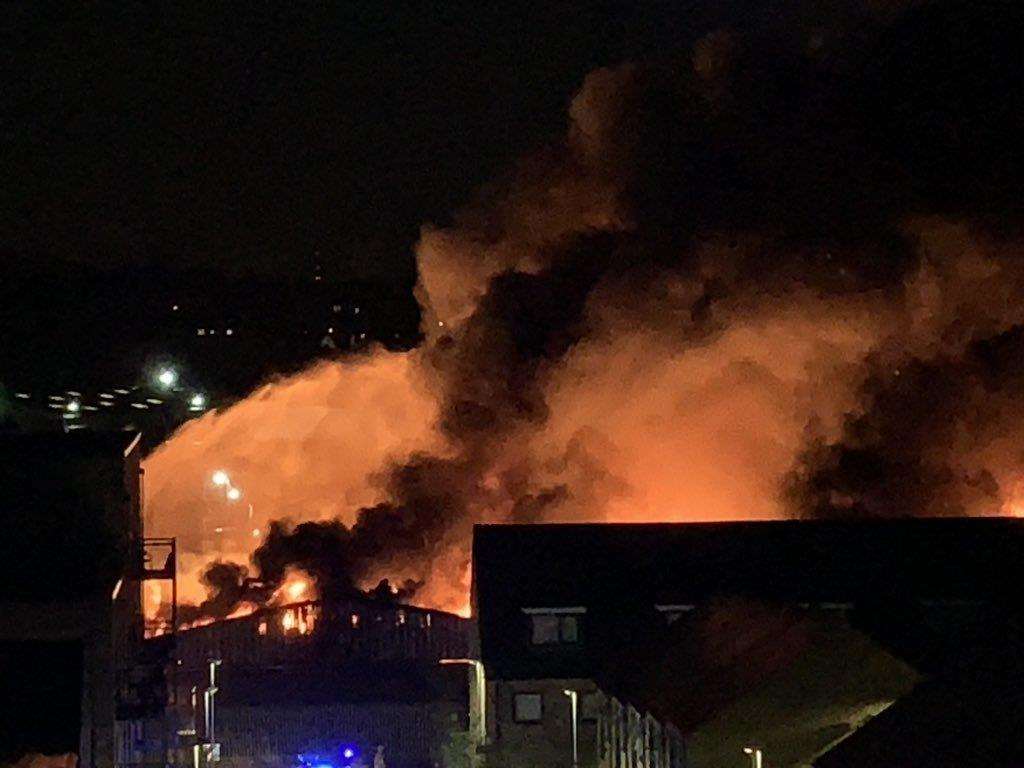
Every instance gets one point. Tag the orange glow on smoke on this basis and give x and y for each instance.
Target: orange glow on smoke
(244, 608)
(678, 404)
(312, 444)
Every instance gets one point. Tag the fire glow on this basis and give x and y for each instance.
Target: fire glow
(297, 586)
(579, 364)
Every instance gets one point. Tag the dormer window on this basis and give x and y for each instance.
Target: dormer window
(551, 626)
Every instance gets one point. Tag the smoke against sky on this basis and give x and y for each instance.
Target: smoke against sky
(718, 297)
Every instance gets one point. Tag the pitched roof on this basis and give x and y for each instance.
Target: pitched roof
(940, 724)
(737, 673)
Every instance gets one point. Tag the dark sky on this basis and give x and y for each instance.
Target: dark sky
(196, 134)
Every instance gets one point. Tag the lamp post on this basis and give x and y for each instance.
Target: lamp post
(574, 701)
(481, 693)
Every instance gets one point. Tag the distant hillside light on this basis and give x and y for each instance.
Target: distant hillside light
(197, 401)
(167, 377)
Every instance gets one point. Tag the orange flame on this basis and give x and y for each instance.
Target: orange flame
(298, 586)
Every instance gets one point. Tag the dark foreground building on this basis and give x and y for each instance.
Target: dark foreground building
(731, 643)
(69, 607)
(304, 684)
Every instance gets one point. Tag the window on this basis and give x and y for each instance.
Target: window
(590, 706)
(549, 626)
(528, 708)
(545, 629)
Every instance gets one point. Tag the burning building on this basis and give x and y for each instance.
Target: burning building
(321, 682)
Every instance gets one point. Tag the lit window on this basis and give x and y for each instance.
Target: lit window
(554, 625)
(229, 331)
(357, 310)
(288, 621)
(336, 308)
(401, 617)
(528, 708)
(200, 331)
(355, 620)
(262, 629)
(362, 335)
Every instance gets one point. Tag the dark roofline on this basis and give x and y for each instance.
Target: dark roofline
(735, 525)
(367, 603)
(80, 441)
(787, 560)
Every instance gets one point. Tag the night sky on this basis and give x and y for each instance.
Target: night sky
(257, 144)
(253, 140)
(196, 135)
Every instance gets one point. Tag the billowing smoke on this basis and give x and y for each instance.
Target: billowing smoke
(741, 286)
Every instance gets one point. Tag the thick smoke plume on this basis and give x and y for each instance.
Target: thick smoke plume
(767, 278)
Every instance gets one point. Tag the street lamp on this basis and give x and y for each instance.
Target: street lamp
(755, 756)
(220, 478)
(481, 693)
(234, 494)
(574, 701)
(197, 401)
(167, 377)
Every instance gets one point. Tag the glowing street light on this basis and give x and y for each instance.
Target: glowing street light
(755, 756)
(220, 478)
(197, 401)
(234, 494)
(73, 406)
(167, 377)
